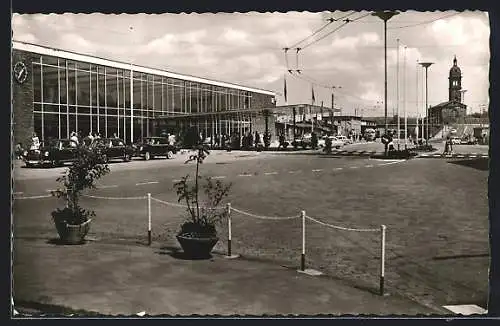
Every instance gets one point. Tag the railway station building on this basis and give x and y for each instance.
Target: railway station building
(55, 92)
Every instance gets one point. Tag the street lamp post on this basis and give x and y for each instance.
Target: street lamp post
(385, 16)
(333, 105)
(426, 65)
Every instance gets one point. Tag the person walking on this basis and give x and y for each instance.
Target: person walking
(35, 142)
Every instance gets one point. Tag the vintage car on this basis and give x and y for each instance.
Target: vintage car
(54, 153)
(113, 148)
(151, 147)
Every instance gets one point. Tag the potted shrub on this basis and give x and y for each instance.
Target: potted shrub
(198, 235)
(73, 222)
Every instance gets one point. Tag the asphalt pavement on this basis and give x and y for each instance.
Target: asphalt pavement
(127, 277)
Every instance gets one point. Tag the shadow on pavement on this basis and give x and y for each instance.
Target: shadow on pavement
(176, 253)
(479, 164)
(59, 242)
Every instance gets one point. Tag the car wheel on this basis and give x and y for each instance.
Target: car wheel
(126, 158)
(29, 165)
(147, 156)
(170, 154)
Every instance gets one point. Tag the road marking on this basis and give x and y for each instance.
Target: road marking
(244, 175)
(460, 156)
(218, 177)
(110, 186)
(353, 167)
(297, 171)
(146, 183)
(270, 173)
(50, 190)
(317, 170)
(369, 166)
(338, 169)
(472, 156)
(18, 193)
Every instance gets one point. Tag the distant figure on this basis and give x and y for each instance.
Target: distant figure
(19, 150)
(35, 142)
(74, 139)
(257, 139)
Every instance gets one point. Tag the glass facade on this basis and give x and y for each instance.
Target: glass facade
(78, 96)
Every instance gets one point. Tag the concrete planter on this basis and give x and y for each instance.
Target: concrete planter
(197, 247)
(73, 234)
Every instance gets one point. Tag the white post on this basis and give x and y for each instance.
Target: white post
(303, 256)
(229, 229)
(149, 219)
(382, 258)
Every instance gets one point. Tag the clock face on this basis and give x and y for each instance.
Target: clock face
(20, 72)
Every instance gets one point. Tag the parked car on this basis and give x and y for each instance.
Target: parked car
(344, 139)
(113, 148)
(54, 153)
(455, 140)
(336, 143)
(151, 147)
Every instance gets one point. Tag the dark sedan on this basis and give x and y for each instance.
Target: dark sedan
(55, 153)
(113, 148)
(151, 147)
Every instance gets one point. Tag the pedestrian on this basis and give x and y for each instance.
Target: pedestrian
(19, 150)
(35, 142)
(257, 139)
(74, 139)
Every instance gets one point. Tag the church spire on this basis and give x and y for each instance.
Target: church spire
(455, 60)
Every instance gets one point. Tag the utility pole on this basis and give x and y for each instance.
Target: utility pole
(426, 65)
(397, 93)
(404, 100)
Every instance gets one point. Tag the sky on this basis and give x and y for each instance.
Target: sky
(248, 49)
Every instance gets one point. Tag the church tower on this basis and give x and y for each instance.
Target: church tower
(455, 83)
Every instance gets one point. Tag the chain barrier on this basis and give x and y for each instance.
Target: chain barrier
(168, 203)
(114, 198)
(276, 218)
(340, 227)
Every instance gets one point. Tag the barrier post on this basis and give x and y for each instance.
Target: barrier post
(149, 219)
(303, 256)
(382, 258)
(229, 229)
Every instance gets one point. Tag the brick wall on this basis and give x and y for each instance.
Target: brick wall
(22, 100)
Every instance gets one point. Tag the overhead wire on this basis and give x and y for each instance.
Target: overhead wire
(426, 22)
(346, 21)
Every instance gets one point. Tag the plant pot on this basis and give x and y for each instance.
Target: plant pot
(197, 247)
(73, 234)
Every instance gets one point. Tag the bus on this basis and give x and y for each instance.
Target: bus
(369, 134)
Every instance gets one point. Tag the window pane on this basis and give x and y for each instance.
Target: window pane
(83, 88)
(62, 81)
(53, 108)
(150, 95)
(37, 119)
(37, 84)
(50, 84)
(137, 94)
(111, 91)
(157, 97)
(47, 60)
(71, 87)
(93, 89)
(177, 98)
(51, 126)
(83, 66)
(126, 87)
(102, 93)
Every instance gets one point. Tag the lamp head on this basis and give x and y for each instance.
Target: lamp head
(385, 15)
(426, 64)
